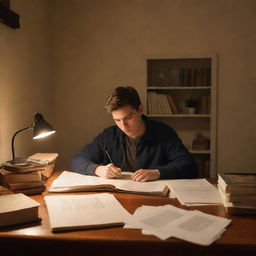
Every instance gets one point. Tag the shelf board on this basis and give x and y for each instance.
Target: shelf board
(181, 115)
(199, 151)
(178, 87)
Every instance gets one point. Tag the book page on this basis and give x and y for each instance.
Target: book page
(68, 212)
(151, 186)
(72, 179)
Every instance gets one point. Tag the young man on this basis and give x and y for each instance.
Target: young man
(150, 149)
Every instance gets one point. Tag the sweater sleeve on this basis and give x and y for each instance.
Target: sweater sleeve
(180, 164)
(86, 161)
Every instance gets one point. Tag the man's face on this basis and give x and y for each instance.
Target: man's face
(129, 121)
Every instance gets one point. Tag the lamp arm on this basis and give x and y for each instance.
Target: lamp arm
(14, 135)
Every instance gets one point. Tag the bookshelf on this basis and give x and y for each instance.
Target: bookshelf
(170, 83)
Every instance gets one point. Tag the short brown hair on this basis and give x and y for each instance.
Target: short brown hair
(123, 96)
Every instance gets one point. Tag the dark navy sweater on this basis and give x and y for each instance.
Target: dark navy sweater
(159, 148)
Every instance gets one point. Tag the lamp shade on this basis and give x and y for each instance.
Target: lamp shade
(41, 128)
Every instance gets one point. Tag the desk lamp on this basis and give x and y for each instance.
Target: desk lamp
(40, 128)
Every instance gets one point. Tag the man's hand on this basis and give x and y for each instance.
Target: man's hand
(146, 175)
(109, 171)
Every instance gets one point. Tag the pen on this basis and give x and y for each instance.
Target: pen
(108, 156)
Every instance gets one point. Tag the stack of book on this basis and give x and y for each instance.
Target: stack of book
(238, 192)
(30, 177)
(25, 179)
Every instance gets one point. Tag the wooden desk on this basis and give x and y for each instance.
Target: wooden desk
(37, 238)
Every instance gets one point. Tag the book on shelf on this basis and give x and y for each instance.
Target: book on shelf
(204, 104)
(194, 77)
(71, 212)
(168, 106)
(150, 109)
(11, 177)
(172, 104)
(17, 209)
(166, 110)
(157, 104)
(161, 104)
(75, 182)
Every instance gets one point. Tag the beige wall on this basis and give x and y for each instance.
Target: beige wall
(99, 44)
(25, 77)
(102, 44)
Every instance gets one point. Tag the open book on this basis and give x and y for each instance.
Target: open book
(70, 212)
(74, 182)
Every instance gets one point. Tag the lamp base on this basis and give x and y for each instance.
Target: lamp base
(19, 161)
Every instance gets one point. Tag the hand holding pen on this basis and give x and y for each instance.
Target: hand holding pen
(108, 171)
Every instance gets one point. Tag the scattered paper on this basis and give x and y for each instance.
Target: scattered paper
(169, 221)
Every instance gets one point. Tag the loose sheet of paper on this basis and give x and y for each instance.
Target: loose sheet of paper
(194, 191)
(152, 220)
(166, 221)
(198, 227)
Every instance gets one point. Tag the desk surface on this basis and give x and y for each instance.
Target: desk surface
(37, 238)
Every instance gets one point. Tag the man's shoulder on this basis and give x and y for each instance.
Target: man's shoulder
(111, 130)
(157, 125)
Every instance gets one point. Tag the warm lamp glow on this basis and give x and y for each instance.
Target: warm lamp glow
(43, 134)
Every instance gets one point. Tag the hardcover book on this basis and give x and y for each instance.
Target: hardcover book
(28, 167)
(238, 179)
(31, 191)
(11, 177)
(17, 209)
(48, 159)
(26, 185)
